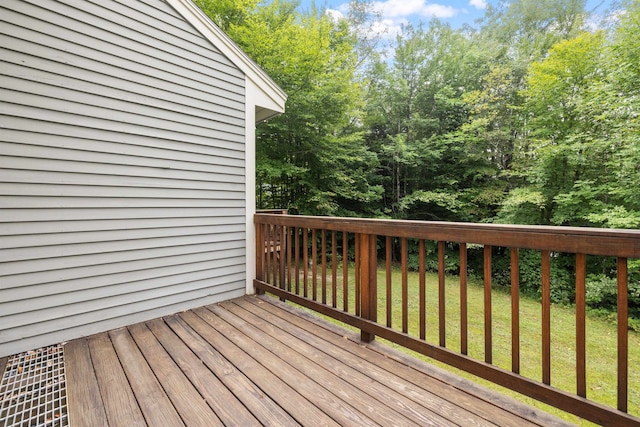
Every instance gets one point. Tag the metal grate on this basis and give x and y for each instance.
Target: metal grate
(33, 390)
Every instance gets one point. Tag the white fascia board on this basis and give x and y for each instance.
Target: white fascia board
(270, 99)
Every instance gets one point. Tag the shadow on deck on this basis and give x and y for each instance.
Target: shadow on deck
(256, 361)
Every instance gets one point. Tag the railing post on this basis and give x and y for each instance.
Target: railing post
(368, 281)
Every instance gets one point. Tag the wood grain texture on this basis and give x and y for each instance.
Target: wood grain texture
(191, 407)
(595, 241)
(495, 239)
(421, 382)
(85, 403)
(215, 393)
(153, 401)
(256, 361)
(120, 403)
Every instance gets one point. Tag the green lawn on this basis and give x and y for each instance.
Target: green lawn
(601, 337)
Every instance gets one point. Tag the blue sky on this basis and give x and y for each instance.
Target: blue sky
(395, 12)
(455, 12)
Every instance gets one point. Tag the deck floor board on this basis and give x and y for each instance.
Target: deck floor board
(229, 408)
(432, 392)
(84, 397)
(342, 396)
(358, 372)
(154, 402)
(119, 401)
(257, 361)
(189, 403)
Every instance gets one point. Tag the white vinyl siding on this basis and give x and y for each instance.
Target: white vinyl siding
(122, 168)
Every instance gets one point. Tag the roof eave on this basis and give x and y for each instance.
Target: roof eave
(274, 94)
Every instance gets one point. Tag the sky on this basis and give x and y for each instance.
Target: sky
(395, 12)
(454, 12)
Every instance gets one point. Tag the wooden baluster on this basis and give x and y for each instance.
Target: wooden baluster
(368, 281)
(389, 271)
(288, 242)
(464, 329)
(275, 259)
(323, 260)
(488, 340)
(260, 247)
(422, 291)
(314, 264)
(281, 255)
(581, 332)
(297, 258)
(405, 285)
(357, 274)
(546, 317)
(441, 296)
(623, 337)
(345, 271)
(269, 238)
(305, 261)
(515, 311)
(334, 268)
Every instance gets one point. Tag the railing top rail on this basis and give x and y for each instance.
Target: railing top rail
(584, 240)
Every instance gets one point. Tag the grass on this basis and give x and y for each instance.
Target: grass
(601, 338)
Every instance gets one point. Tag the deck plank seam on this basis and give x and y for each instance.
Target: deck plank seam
(189, 368)
(420, 388)
(329, 402)
(240, 383)
(341, 379)
(465, 386)
(377, 389)
(283, 388)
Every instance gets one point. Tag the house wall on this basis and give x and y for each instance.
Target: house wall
(122, 168)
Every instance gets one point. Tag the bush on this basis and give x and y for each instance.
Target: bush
(602, 294)
(530, 268)
(451, 257)
(602, 291)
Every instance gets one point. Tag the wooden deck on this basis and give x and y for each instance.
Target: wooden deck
(256, 361)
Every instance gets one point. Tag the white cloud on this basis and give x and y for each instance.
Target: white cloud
(336, 15)
(406, 8)
(396, 13)
(478, 4)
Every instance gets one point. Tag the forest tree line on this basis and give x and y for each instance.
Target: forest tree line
(530, 116)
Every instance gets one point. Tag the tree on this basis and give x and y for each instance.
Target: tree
(615, 106)
(228, 13)
(414, 103)
(525, 30)
(582, 103)
(311, 159)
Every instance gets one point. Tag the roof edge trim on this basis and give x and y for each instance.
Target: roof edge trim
(196, 17)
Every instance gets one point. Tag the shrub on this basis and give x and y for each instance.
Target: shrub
(530, 268)
(602, 294)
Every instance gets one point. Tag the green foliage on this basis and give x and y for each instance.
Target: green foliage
(227, 13)
(602, 294)
(531, 118)
(523, 205)
(562, 286)
(311, 160)
(451, 257)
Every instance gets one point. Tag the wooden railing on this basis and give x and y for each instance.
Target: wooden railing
(330, 265)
